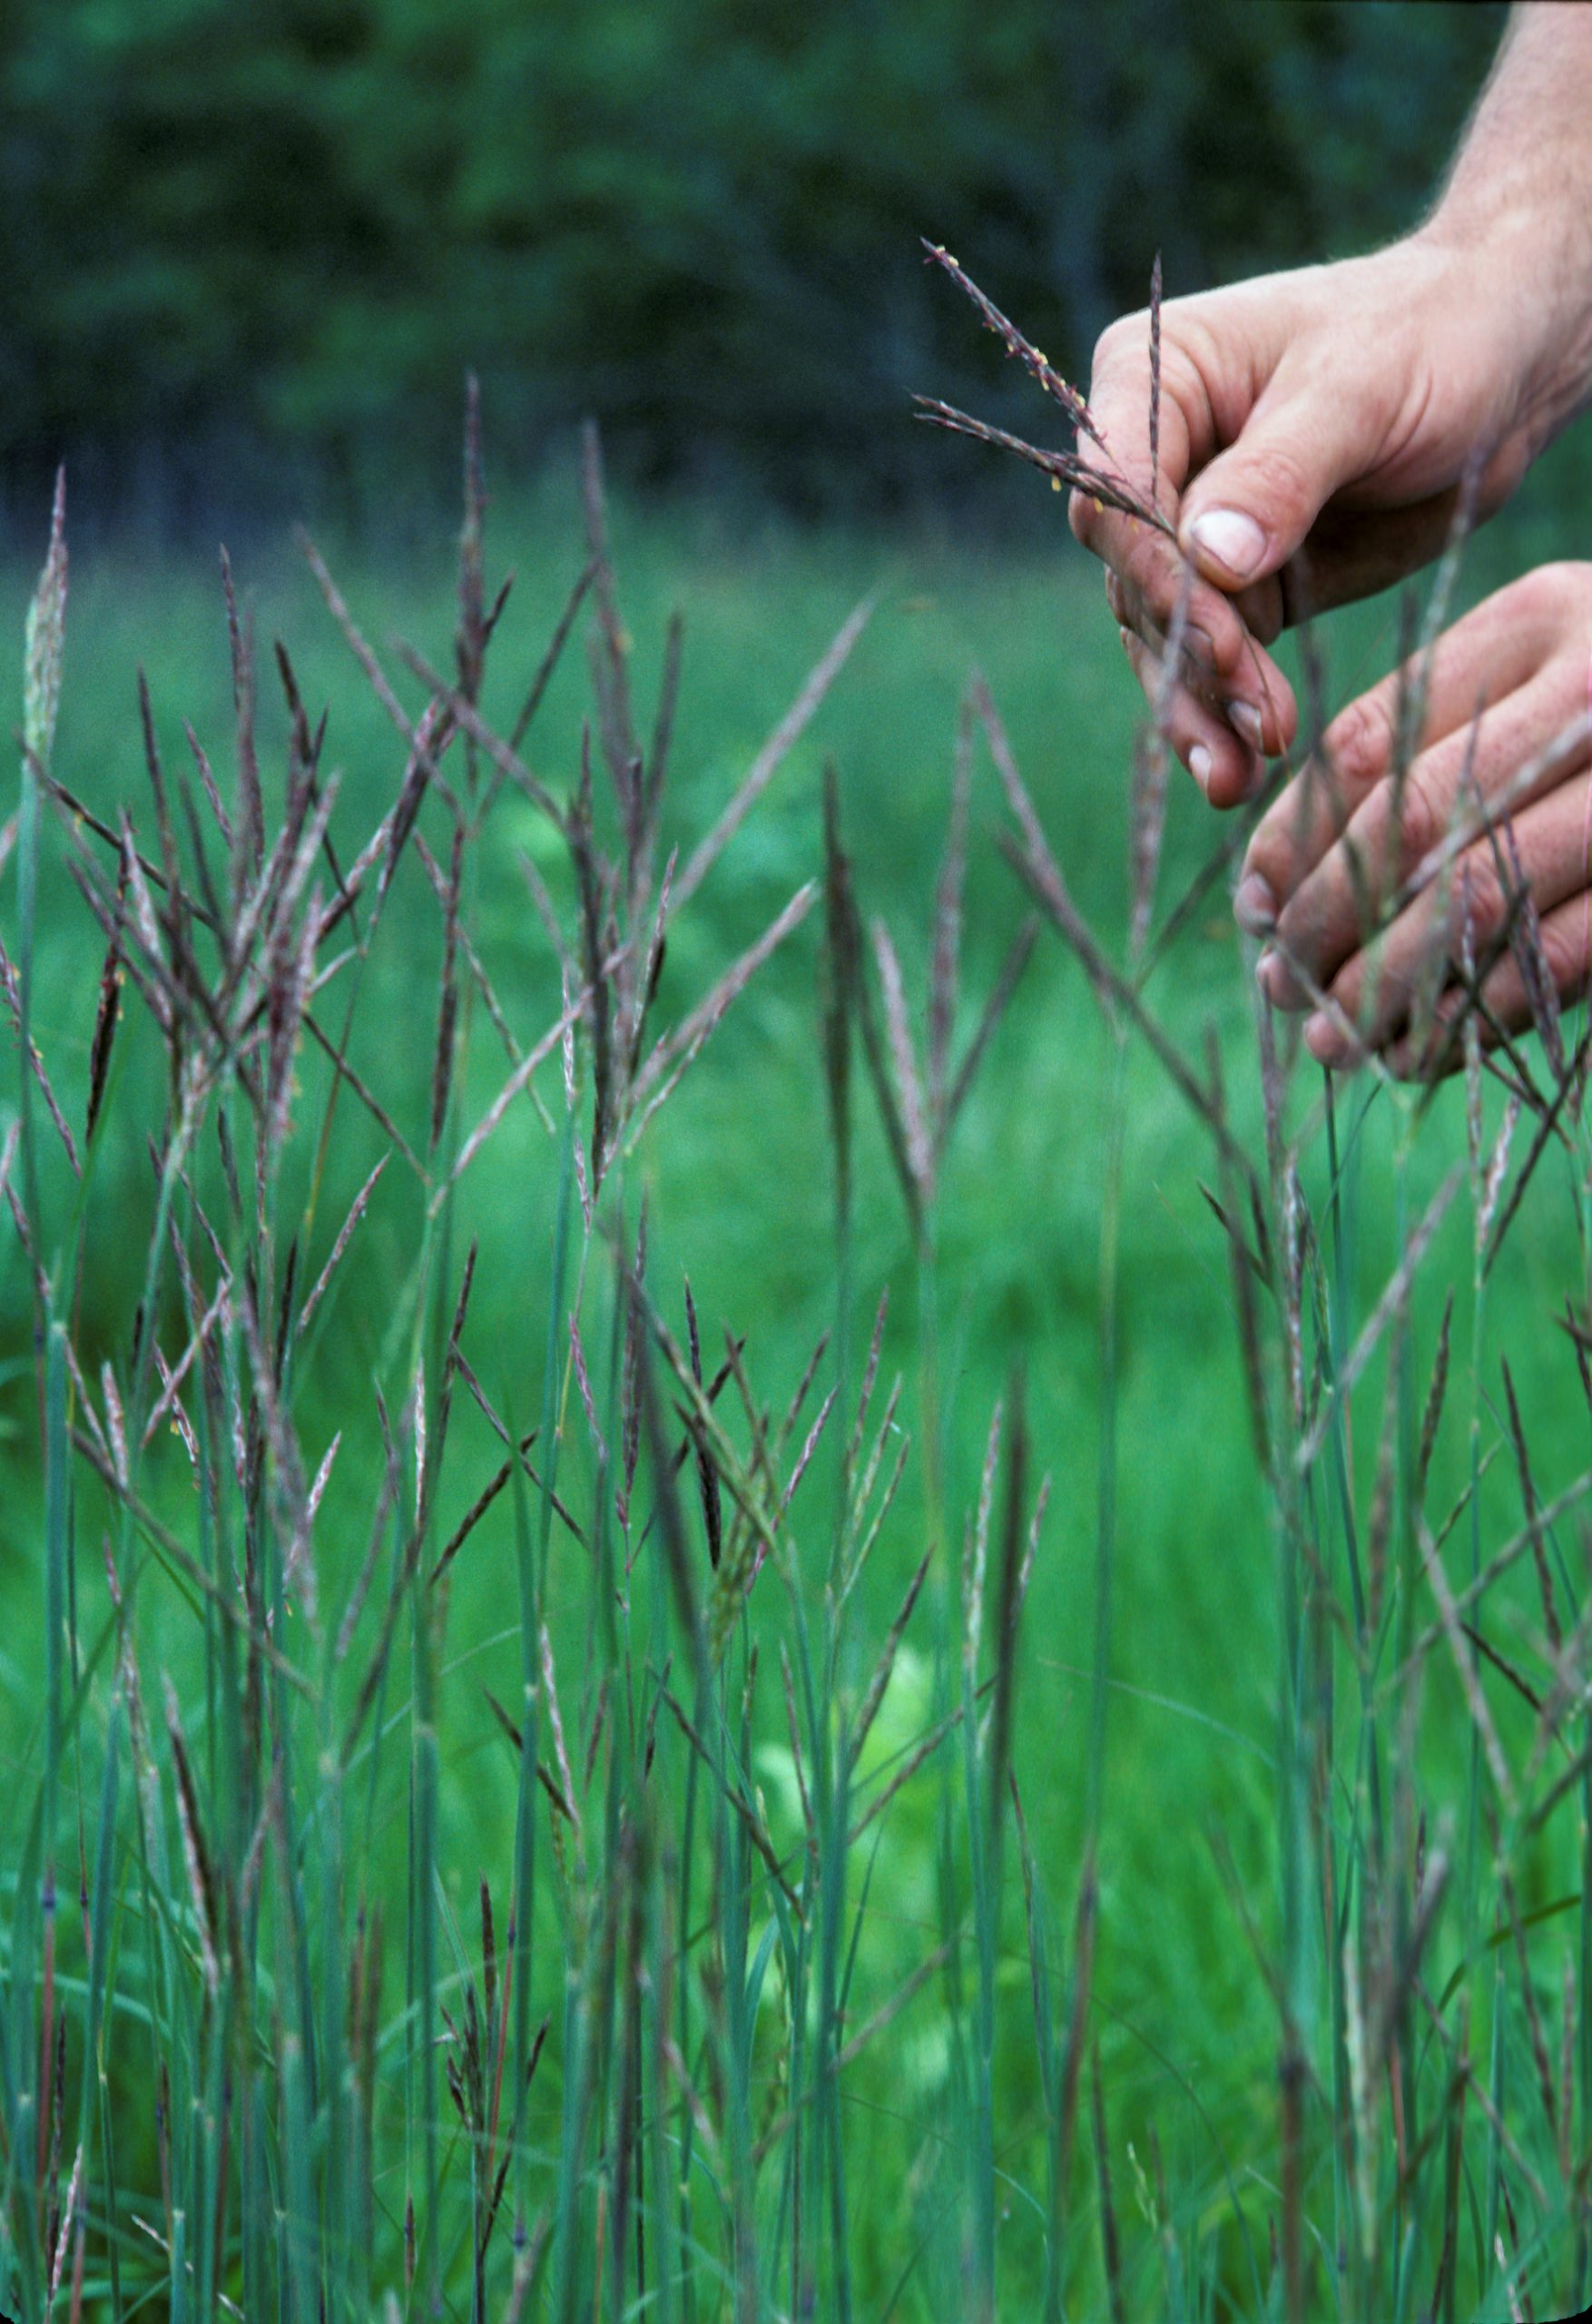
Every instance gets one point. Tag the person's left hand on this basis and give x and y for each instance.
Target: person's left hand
(1327, 859)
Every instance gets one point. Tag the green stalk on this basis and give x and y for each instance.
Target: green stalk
(531, 1572)
(982, 1858)
(1106, 1482)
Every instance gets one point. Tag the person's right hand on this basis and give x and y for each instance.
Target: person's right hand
(1314, 430)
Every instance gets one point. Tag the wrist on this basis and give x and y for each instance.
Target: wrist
(1513, 284)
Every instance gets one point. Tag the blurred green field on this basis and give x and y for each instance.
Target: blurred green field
(740, 1191)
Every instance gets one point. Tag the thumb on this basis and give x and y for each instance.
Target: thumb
(1247, 512)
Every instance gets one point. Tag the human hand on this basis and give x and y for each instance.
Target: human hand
(1314, 430)
(1344, 845)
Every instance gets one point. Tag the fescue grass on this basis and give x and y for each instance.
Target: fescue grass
(980, 1912)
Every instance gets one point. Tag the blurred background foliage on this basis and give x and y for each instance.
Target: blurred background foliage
(250, 247)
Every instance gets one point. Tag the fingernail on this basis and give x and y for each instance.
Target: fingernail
(1199, 766)
(1268, 975)
(1125, 637)
(1254, 907)
(1245, 719)
(1230, 539)
(1325, 1041)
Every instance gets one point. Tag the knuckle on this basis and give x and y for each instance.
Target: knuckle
(1287, 840)
(1347, 989)
(1356, 744)
(1549, 591)
(1480, 897)
(1421, 817)
(1224, 627)
(1295, 923)
(1538, 592)
(1284, 482)
(1118, 338)
(1565, 947)
(1273, 855)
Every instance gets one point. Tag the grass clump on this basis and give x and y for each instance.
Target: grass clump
(519, 1807)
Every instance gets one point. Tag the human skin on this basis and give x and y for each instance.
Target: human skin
(1504, 683)
(1318, 426)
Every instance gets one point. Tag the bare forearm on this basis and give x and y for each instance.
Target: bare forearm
(1525, 151)
(1519, 200)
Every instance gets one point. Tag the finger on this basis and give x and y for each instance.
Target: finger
(1251, 689)
(1321, 421)
(1149, 564)
(1379, 988)
(1500, 644)
(1352, 552)
(1225, 769)
(1256, 731)
(1196, 666)
(1329, 914)
(1566, 937)
(1265, 610)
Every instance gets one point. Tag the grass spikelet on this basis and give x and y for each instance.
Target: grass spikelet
(805, 1458)
(1007, 979)
(10, 989)
(976, 1549)
(1475, 1700)
(1156, 378)
(551, 658)
(908, 1090)
(630, 1378)
(449, 712)
(345, 1233)
(1432, 1411)
(44, 643)
(1392, 1298)
(1528, 1504)
(948, 922)
(677, 1050)
(775, 751)
(447, 994)
(874, 1694)
(707, 1474)
(201, 1878)
(518, 1080)
(670, 1526)
(107, 1011)
(474, 627)
(1546, 1129)
(1152, 769)
(1379, 1526)
(1059, 389)
(583, 1380)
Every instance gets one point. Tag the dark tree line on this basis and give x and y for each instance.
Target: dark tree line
(290, 225)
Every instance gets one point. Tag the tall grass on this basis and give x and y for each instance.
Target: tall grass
(307, 2011)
